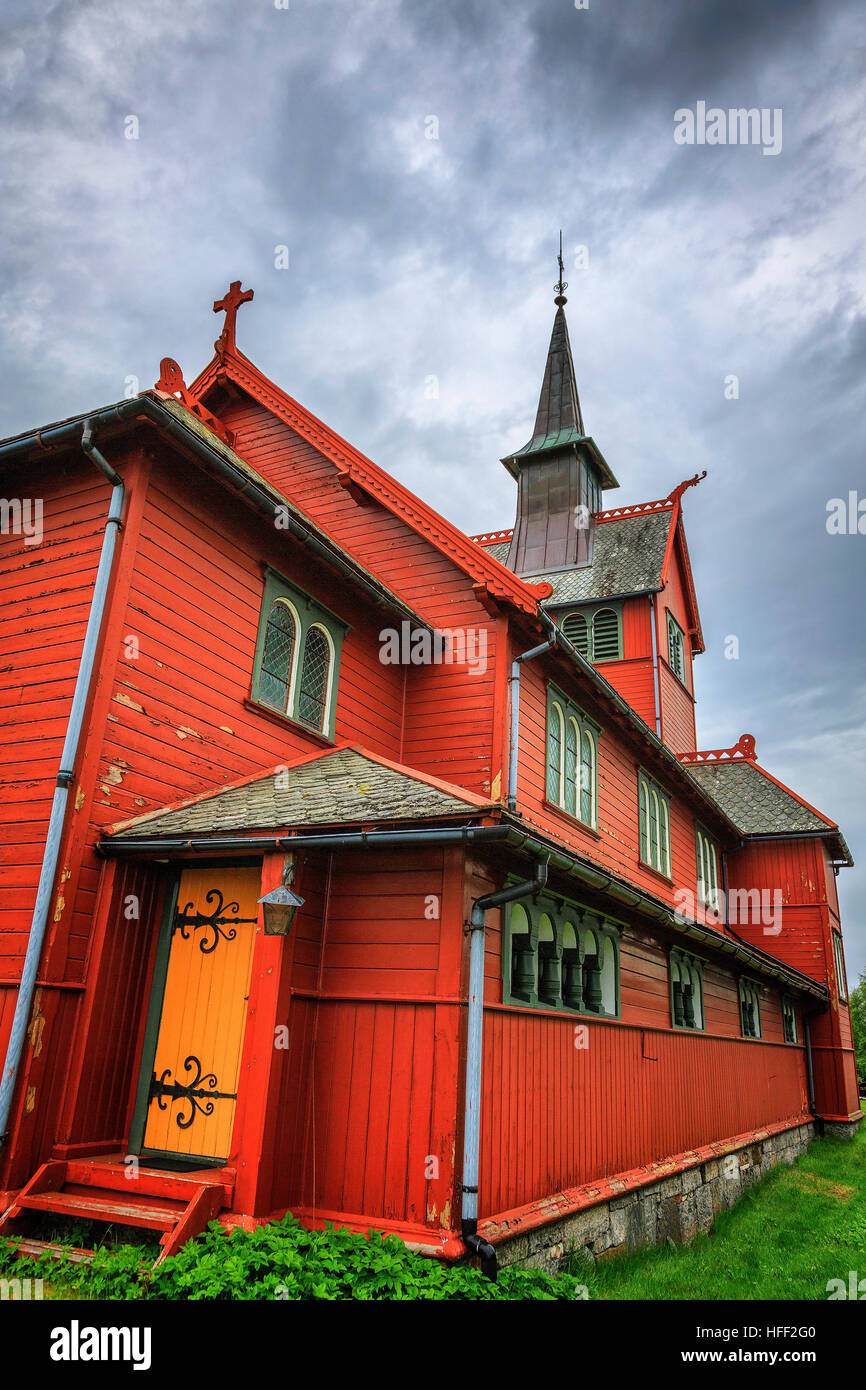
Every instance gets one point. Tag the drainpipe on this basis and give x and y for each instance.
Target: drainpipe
(475, 1035)
(65, 775)
(656, 687)
(514, 694)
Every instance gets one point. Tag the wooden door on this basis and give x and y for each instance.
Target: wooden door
(189, 1094)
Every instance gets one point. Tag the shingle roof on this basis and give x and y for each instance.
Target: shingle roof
(754, 802)
(341, 786)
(628, 557)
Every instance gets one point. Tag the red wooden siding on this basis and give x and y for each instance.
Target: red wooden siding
(449, 725)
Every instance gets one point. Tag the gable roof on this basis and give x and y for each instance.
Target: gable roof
(358, 471)
(632, 554)
(758, 804)
(171, 417)
(341, 786)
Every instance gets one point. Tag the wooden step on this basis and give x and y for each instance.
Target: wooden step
(178, 1205)
(98, 1204)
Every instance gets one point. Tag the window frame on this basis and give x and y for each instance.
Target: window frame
(789, 1008)
(588, 612)
(559, 913)
(709, 903)
(308, 613)
(679, 960)
(678, 635)
(654, 811)
(564, 714)
(748, 987)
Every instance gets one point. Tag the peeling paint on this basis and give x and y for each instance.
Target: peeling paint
(116, 772)
(37, 1024)
(59, 906)
(79, 798)
(30, 1100)
(226, 730)
(184, 732)
(122, 699)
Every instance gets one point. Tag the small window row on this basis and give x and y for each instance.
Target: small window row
(556, 955)
(687, 999)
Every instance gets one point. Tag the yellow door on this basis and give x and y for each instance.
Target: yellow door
(193, 1091)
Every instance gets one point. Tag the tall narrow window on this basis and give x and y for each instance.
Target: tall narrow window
(750, 1009)
(789, 1020)
(277, 669)
(676, 648)
(654, 825)
(555, 751)
(315, 668)
(572, 759)
(708, 876)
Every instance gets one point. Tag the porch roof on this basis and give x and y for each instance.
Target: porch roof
(340, 786)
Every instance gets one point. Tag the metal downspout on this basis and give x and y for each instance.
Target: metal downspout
(514, 694)
(810, 1075)
(64, 779)
(474, 1044)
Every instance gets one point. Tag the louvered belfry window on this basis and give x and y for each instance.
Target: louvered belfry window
(676, 649)
(605, 635)
(597, 636)
(575, 629)
(314, 678)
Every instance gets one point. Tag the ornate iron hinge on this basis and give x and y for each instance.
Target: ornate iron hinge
(192, 1091)
(215, 921)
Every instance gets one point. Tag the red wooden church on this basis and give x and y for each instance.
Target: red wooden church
(357, 867)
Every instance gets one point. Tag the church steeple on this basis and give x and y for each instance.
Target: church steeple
(560, 472)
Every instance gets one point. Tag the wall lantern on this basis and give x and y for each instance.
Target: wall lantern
(279, 907)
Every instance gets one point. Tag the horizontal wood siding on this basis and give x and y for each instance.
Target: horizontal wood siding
(449, 727)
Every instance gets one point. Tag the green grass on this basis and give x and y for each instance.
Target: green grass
(785, 1239)
(802, 1226)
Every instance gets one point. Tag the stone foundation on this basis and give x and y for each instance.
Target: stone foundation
(672, 1209)
(843, 1129)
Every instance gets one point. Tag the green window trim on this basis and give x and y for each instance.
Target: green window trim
(687, 991)
(676, 648)
(571, 778)
(654, 824)
(750, 1008)
(707, 857)
(558, 955)
(789, 1019)
(595, 631)
(839, 961)
(297, 662)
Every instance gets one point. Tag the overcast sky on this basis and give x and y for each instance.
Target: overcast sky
(413, 257)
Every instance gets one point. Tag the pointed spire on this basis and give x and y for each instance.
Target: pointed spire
(558, 404)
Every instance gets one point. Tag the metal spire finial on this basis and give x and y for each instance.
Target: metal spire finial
(562, 285)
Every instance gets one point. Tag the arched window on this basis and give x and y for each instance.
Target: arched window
(575, 629)
(548, 964)
(608, 977)
(654, 825)
(687, 990)
(572, 975)
(315, 672)
(555, 742)
(605, 635)
(572, 739)
(591, 974)
(588, 777)
(521, 956)
(278, 656)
